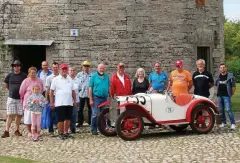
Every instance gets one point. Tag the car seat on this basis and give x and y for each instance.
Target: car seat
(183, 99)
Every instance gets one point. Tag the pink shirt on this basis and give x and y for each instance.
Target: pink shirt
(26, 89)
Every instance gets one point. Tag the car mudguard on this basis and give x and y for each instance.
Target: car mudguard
(194, 103)
(106, 103)
(141, 110)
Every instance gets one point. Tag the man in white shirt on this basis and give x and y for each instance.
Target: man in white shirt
(65, 100)
(76, 85)
(52, 113)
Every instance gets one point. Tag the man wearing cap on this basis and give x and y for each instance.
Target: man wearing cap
(84, 78)
(43, 74)
(180, 80)
(13, 82)
(158, 79)
(65, 100)
(98, 92)
(120, 83)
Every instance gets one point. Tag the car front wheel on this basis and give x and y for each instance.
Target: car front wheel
(202, 119)
(129, 125)
(105, 126)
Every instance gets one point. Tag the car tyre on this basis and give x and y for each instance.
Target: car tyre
(110, 131)
(198, 119)
(129, 120)
(179, 128)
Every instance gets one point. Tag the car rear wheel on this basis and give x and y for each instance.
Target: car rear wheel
(105, 126)
(129, 125)
(179, 128)
(202, 119)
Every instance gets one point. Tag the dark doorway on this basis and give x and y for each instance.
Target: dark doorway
(204, 53)
(29, 55)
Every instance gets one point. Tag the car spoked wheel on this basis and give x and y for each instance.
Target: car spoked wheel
(129, 125)
(105, 126)
(202, 119)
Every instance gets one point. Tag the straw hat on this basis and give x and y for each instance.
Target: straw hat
(86, 63)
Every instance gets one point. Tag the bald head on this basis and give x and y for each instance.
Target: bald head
(45, 66)
(101, 68)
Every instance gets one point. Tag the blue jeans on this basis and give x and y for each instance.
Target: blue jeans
(74, 119)
(96, 111)
(225, 102)
(53, 119)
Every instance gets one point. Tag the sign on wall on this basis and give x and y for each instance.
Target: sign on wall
(74, 32)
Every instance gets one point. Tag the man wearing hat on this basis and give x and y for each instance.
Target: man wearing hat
(120, 82)
(13, 82)
(65, 100)
(180, 80)
(84, 78)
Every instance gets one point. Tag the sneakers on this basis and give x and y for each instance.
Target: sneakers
(5, 134)
(61, 137)
(222, 125)
(233, 127)
(94, 133)
(17, 133)
(67, 135)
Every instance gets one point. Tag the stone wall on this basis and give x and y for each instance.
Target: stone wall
(136, 32)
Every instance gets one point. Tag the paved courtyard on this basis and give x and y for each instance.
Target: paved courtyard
(153, 146)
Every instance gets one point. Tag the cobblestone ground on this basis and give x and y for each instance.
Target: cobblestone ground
(153, 146)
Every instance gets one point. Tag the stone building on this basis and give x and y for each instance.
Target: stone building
(136, 32)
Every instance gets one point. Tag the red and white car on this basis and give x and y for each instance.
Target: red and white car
(126, 116)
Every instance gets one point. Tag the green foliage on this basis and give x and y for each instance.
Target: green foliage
(232, 38)
(235, 99)
(233, 65)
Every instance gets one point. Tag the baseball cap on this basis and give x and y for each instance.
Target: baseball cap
(179, 63)
(63, 66)
(16, 62)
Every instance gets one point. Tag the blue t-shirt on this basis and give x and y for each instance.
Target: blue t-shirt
(100, 86)
(158, 80)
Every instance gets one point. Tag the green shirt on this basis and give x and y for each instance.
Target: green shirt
(100, 86)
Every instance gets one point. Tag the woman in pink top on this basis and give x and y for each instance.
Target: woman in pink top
(25, 91)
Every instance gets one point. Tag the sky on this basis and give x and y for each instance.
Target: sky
(232, 9)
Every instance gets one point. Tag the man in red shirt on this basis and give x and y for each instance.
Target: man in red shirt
(120, 83)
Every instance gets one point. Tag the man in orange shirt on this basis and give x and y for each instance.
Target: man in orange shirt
(180, 80)
(120, 83)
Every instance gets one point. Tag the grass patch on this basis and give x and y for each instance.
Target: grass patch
(236, 99)
(7, 159)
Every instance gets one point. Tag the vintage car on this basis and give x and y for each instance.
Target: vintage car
(126, 116)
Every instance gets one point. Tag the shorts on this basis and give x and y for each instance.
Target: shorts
(64, 113)
(27, 117)
(14, 106)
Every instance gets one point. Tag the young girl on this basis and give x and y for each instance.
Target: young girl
(36, 102)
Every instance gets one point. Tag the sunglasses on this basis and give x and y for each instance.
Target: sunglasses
(16, 65)
(85, 65)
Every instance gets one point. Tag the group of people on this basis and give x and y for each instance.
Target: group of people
(67, 92)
